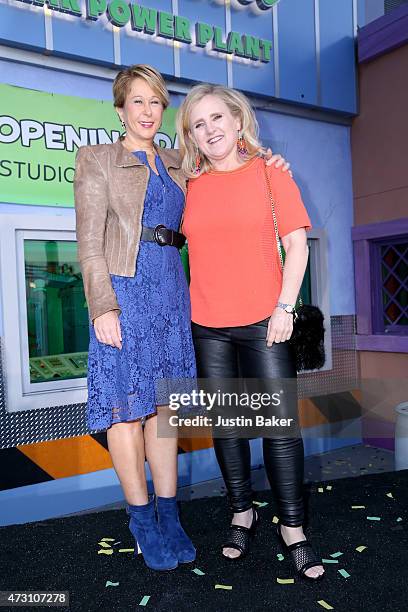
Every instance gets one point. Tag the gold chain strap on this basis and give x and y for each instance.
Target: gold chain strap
(275, 224)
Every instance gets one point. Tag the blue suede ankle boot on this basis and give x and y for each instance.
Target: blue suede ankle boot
(173, 533)
(143, 525)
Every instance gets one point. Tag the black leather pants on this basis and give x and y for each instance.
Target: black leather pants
(232, 352)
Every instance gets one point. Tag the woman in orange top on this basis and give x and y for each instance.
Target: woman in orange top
(242, 304)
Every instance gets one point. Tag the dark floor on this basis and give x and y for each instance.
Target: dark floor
(62, 554)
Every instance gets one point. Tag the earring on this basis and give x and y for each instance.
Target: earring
(241, 144)
(197, 167)
(123, 126)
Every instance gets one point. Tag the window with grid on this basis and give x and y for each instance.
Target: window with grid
(390, 284)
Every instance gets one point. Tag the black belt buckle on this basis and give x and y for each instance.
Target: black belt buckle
(159, 238)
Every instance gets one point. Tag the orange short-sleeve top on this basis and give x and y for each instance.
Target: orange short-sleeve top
(235, 274)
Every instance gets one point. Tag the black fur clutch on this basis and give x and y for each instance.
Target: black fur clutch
(308, 338)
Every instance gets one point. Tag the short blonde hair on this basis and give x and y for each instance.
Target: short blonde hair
(150, 75)
(238, 105)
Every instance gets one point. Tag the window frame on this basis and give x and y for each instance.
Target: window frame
(367, 240)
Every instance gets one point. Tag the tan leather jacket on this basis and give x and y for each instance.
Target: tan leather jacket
(110, 185)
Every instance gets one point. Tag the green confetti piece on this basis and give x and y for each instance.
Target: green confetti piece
(390, 495)
(103, 551)
(336, 554)
(275, 519)
(104, 544)
(109, 583)
(373, 518)
(226, 587)
(198, 572)
(144, 600)
(280, 557)
(285, 580)
(357, 507)
(126, 550)
(329, 560)
(361, 548)
(107, 539)
(344, 573)
(329, 488)
(399, 519)
(325, 605)
(320, 489)
(261, 504)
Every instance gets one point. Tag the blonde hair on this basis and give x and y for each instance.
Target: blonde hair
(150, 75)
(238, 105)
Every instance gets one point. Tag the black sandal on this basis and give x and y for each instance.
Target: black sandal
(240, 537)
(303, 556)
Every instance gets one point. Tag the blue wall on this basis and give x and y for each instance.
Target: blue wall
(312, 59)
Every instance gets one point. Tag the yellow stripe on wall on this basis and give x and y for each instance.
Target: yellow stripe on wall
(68, 457)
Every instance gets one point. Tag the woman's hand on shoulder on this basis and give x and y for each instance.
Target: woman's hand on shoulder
(107, 329)
(276, 160)
(280, 327)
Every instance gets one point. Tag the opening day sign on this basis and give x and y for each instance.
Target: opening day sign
(40, 134)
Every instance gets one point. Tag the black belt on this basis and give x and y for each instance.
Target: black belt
(163, 236)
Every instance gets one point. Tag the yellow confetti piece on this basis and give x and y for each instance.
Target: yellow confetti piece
(390, 495)
(109, 583)
(285, 580)
(198, 572)
(126, 550)
(336, 554)
(329, 487)
(275, 519)
(344, 573)
(107, 539)
(373, 518)
(144, 600)
(280, 557)
(104, 544)
(357, 507)
(361, 548)
(103, 551)
(325, 605)
(226, 587)
(320, 489)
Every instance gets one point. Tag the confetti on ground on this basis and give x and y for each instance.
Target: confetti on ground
(280, 557)
(275, 519)
(390, 495)
(329, 488)
(329, 560)
(399, 519)
(357, 507)
(103, 551)
(104, 544)
(285, 580)
(344, 573)
(226, 587)
(261, 504)
(107, 539)
(109, 583)
(198, 572)
(115, 543)
(325, 605)
(336, 554)
(144, 600)
(361, 548)
(320, 489)
(126, 550)
(373, 518)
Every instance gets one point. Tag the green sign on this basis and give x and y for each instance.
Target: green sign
(40, 134)
(166, 25)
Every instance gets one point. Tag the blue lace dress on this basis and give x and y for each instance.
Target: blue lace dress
(155, 322)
